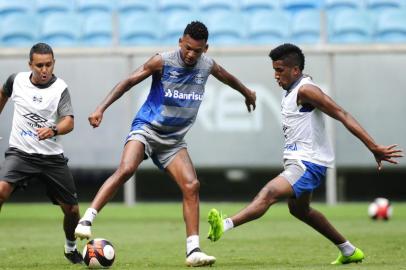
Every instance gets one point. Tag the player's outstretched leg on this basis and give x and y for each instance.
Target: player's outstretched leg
(216, 230)
(198, 258)
(356, 257)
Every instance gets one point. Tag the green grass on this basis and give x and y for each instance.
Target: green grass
(152, 236)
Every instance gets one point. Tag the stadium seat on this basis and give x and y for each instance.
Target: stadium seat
(306, 27)
(174, 26)
(334, 6)
(294, 6)
(391, 26)
(97, 30)
(377, 6)
(218, 5)
(139, 29)
(127, 6)
(18, 30)
(168, 6)
(86, 7)
(225, 28)
(250, 6)
(351, 26)
(61, 30)
(46, 7)
(10, 7)
(271, 27)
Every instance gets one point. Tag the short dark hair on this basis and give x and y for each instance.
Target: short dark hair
(41, 48)
(197, 30)
(291, 54)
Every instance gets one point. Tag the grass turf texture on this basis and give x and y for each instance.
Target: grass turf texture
(152, 236)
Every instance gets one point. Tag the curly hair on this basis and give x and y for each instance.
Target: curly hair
(291, 54)
(197, 30)
(41, 48)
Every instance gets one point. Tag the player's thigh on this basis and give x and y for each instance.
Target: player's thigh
(278, 188)
(6, 189)
(59, 181)
(133, 155)
(300, 204)
(181, 168)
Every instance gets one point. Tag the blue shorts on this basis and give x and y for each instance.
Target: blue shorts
(304, 176)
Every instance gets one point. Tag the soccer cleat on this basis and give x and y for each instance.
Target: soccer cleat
(74, 257)
(83, 230)
(356, 257)
(198, 258)
(215, 219)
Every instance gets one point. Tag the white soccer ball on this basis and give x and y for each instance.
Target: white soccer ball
(380, 208)
(99, 253)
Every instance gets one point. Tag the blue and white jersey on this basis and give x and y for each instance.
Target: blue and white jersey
(174, 99)
(304, 129)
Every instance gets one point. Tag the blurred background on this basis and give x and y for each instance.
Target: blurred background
(355, 50)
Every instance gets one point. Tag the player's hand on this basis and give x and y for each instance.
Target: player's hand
(95, 118)
(44, 133)
(250, 100)
(386, 153)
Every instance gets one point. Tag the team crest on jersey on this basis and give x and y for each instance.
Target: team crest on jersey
(37, 99)
(199, 78)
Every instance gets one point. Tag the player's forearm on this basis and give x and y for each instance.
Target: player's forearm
(65, 125)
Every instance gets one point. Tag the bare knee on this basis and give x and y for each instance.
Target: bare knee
(5, 191)
(299, 212)
(191, 188)
(70, 210)
(125, 171)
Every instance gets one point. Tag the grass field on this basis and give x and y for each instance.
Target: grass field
(151, 236)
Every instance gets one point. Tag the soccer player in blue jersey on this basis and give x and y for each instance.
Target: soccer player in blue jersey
(307, 154)
(158, 130)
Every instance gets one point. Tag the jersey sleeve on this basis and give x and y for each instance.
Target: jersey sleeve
(8, 85)
(65, 105)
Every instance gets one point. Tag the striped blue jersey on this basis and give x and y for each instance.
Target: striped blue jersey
(174, 98)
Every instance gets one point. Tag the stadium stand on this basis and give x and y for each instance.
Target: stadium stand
(169, 6)
(62, 30)
(129, 6)
(175, 25)
(345, 21)
(10, 7)
(378, 6)
(46, 7)
(294, 6)
(250, 6)
(87, 7)
(334, 6)
(19, 30)
(351, 26)
(268, 27)
(226, 27)
(306, 27)
(139, 29)
(97, 30)
(218, 5)
(391, 26)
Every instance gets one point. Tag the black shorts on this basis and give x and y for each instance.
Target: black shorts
(20, 167)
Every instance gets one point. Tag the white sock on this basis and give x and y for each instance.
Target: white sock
(346, 248)
(70, 245)
(228, 224)
(192, 242)
(89, 215)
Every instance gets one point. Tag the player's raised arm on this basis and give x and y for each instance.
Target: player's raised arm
(310, 94)
(154, 64)
(224, 76)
